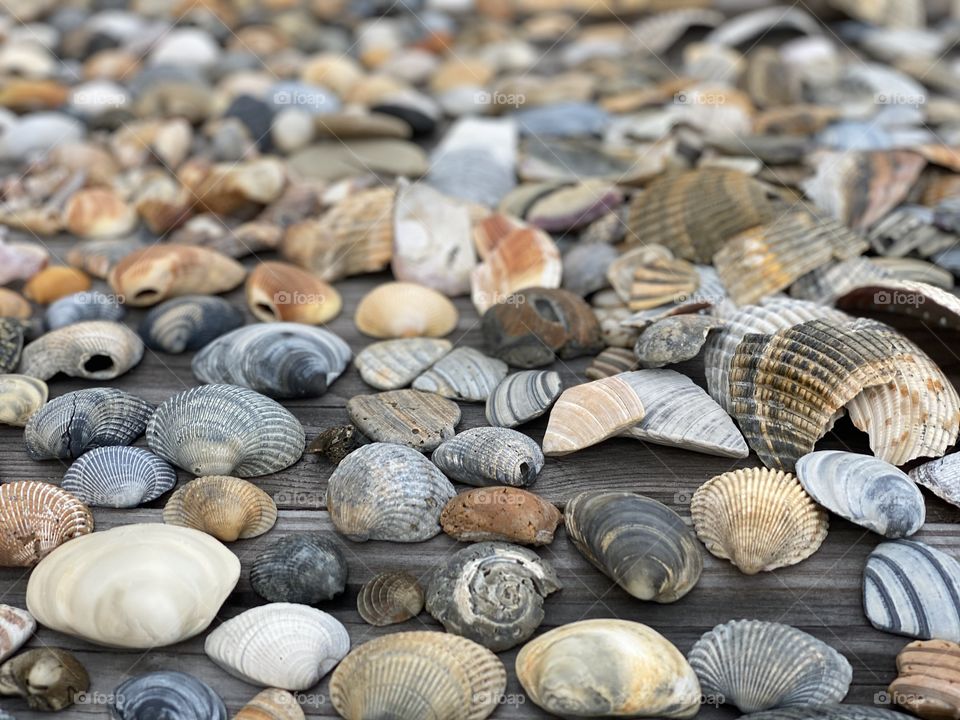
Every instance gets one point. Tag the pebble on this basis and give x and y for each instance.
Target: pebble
(506, 514)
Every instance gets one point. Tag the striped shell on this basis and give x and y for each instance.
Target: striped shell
(50, 679)
(927, 683)
(831, 712)
(280, 292)
(271, 704)
(390, 598)
(188, 323)
(463, 374)
(20, 397)
(710, 294)
(119, 477)
(394, 364)
(522, 397)
(524, 258)
(407, 417)
(226, 507)
(490, 456)
(83, 306)
(837, 278)
(587, 414)
(303, 568)
(403, 310)
(659, 281)
(941, 477)
(93, 350)
(35, 519)
(166, 694)
(16, 627)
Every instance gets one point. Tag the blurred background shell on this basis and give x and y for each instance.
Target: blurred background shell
(16, 627)
(401, 310)
(50, 679)
(83, 306)
(188, 323)
(283, 292)
(20, 397)
(93, 350)
(271, 704)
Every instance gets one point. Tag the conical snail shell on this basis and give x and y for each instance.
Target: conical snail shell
(226, 507)
(35, 519)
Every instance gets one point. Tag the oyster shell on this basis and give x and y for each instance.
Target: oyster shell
(83, 306)
(16, 627)
(299, 568)
(55, 282)
(283, 292)
(226, 507)
(118, 477)
(94, 350)
(490, 456)
(587, 414)
(941, 477)
(188, 323)
(394, 364)
(463, 374)
(927, 681)
(35, 519)
(20, 397)
(524, 258)
(407, 417)
(271, 704)
(505, 514)
(402, 310)
(49, 678)
(390, 598)
(167, 692)
(522, 397)
(673, 339)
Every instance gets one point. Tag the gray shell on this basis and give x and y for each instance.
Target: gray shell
(281, 360)
(166, 694)
(188, 323)
(83, 306)
(119, 477)
(390, 598)
(394, 364)
(225, 430)
(585, 267)
(408, 417)
(673, 339)
(864, 490)
(759, 665)
(70, 425)
(641, 544)
(463, 374)
(93, 350)
(299, 569)
(387, 492)
(941, 477)
(523, 396)
(830, 712)
(11, 344)
(491, 593)
(490, 456)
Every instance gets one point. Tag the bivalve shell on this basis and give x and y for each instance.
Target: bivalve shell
(55, 282)
(524, 258)
(83, 306)
(16, 627)
(390, 598)
(50, 679)
(271, 704)
(394, 364)
(226, 507)
(673, 339)
(522, 397)
(93, 350)
(166, 694)
(282, 292)
(402, 310)
(928, 684)
(659, 281)
(463, 374)
(299, 569)
(119, 477)
(941, 477)
(14, 305)
(829, 712)
(35, 519)
(188, 323)
(20, 397)
(505, 514)
(490, 456)
(11, 343)
(407, 417)
(587, 414)
(98, 212)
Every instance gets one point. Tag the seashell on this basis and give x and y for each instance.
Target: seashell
(927, 681)
(572, 207)
(830, 712)
(390, 598)
(118, 477)
(941, 477)
(412, 418)
(399, 310)
(759, 665)
(612, 361)
(505, 514)
(94, 350)
(299, 569)
(522, 397)
(659, 281)
(36, 518)
(16, 627)
(13, 305)
(673, 339)
(524, 258)
(11, 343)
(55, 282)
(49, 678)
(133, 586)
(476, 160)
(97, 257)
(864, 490)
(914, 270)
(99, 212)
(491, 593)
(389, 492)
(271, 704)
(394, 364)
(646, 260)
(83, 306)
(70, 425)
(909, 14)
(932, 305)
(911, 588)
(167, 693)
(158, 272)
(188, 323)
(463, 374)
(281, 360)
(490, 231)
(639, 543)
(20, 260)
(608, 668)
(587, 414)
(226, 507)
(233, 187)
(585, 267)
(490, 456)
(282, 292)
(281, 645)
(412, 675)
(224, 429)
(749, 25)
(20, 397)
(830, 281)
(758, 519)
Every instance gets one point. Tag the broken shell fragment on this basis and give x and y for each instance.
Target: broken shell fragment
(673, 339)
(941, 477)
(16, 627)
(394, 364)
(402, 310)
(927, 680)
(55, 282)
(490, 456)
(390, 598)
(282, 292)
(419, 420)
(11, 343)
(524, 258)
(336, 442)
(167, 693)
(20, 397)
(505, 514)
(36, 518)
(50, 679)
(587, 414)
(302, 568)
(226, 507)
(93, 350)
(522, 397)
(463, 374)
(188, 323)
(118, 477)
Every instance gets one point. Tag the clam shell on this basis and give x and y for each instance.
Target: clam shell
(226, 507)
(524, 258)
(941, 477)
(390, 492)
(16, 627)
(224, 429)
(413, 675)
(505, 514)
(864, 490)
(390, 598)
(283, 292)
(830, 712)
(661, 280)
(587, 414)
(281, 645)
(491, 593)
(118, 477)
(393, 364)
(673, 339)
(11, 343)
(55, 282)
(166, 694)
(927, 681)
(14, 305)
(608, 668)
(585, 267)
(522, 397)
(299, 569)
(20, 397)
(271, 704)
(758, 519)
(83, 306)
(97, 257)
(407, 417)
(49, 678)
(93, 350)
(70, 425)
(762, 665)
(476, 160)
(188, 323)
(463, 374)
(639, 543)
(133, 586)
(402, 310)
(490, 456)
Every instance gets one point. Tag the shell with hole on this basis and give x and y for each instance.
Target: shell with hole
(927, 681)
(407, 417)
(226, 507)
(163, 692)
(20, 397)
(394, 364)
(119, 477)
(50, 679)
(390, 598)
(504, 514)
(278, 291)
(490, 456)
(522, 397)
(16, 627)
(403, 310)
(35, 519)
(93, 350)
(587, 414)
(302, 568)
(524, 258)
(188, 323)
(271, 704)
(463, 374)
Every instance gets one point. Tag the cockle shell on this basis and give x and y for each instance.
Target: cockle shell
(20, 397)
(608, 668)
(83, 306)
(49, 678)
(525, 258)
(279, 291)
(282, 645)
(226, 507)
(394, 364)
(829, 712)
(55, 282)
(864, 490)
(166, 694)
(390, 598)
(14, 305)
(414, 675)
(271, 704)
(522, 397)
(36, 518)
(11, 343)
(407, 417)
(188, 323)
(133, 586)
(758, 519)
(299, 569)
(490, 456)
(759, 665)
(836, 279)
(16, 627)
(941, 477)
(673, 339)
(463, 374)
(491, 593)
(225, 430)
(70, 425)
(913, 270)
(639, 543)
(505, 514)
(93, 350)
(390, 492)
(660, 280)
(927, 681)
(118, 477)
(587, 414)
(401, 310)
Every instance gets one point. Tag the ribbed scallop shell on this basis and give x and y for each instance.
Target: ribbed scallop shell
(70, 425)
(831, 712)
(271, 704)
(587, 414)
(16, 627)
(927, 684)
(710, 294)
(661, 281)
(389, 492)
(415, 675)
(463, 374)
(402, 310)
(188, 323)
(522, 397)
(639, 543)
(941, 477)
(226, 507)
(524, 258)
(934, 306)
(394, 364)
(280, 360)
(93, 350)
(390, 598)
(166, 694)
(762, 665)
(407, 417)
(35, 519)
(119, 477)
(299, 569)
(758, 519)
(282, 645)
(83, 306)
(281, 292)
(490, 456)
(622, 272)
(50, 679)
(225, 430)
(20, 397)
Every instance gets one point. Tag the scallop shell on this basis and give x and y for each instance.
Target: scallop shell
(224, 429)
(271, 704)
(390, 492)
(933, 305)
(759, 665)
(661, 281)
(280, 360)
(587, 414)
(188, 323)
(491, 593)
(941, 477)
(505, 514)
(279, 291)
(522, 397)
(70, 425)
(282, 645)
(299, 569)
(83, 306)
(13, 305)
(413, 675)
(650, 262)
(394, 364)
(20, 397)
(16, 627)
(927, 682)
(463, 374)
(49, 678)
(55, 282)
(402, 310)
(226, 507)
(390, 598)
(490, 456)
(525, 258)
(639, 543)
(830, 712)
(407, 417)
(710, 294)
(35, 519)
(673, 339)
(608, 668)
(118, 477)
(758, 519)
(158, 272)
(864, 490)
(11, 343)
(93, 350)
(166, 694)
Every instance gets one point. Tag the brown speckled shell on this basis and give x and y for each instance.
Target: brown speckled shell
(35, 518)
